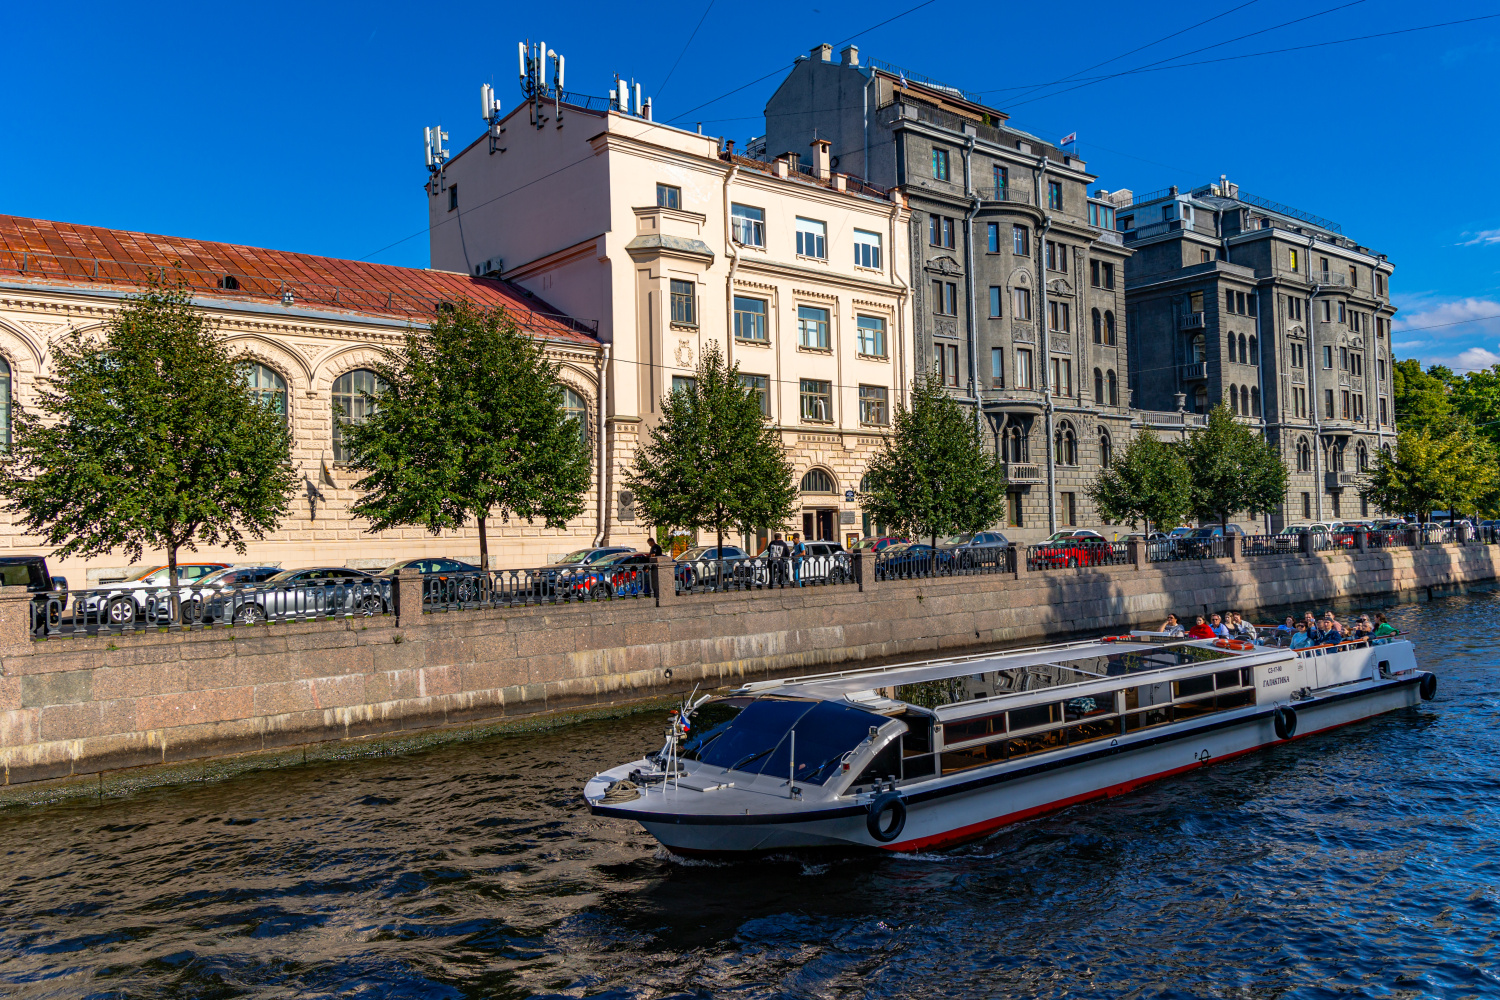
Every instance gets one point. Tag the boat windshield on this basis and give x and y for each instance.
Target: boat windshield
(758, 740)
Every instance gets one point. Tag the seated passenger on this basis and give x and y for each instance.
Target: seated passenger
(1284, 631)
(1300, 638)
(1216, 624)
(1170, 626)
(1200, 629)
(1243, 630)
(1383, 629)
(1363, 629)
(1332, 631)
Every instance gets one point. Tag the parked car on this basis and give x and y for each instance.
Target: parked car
(877, 543)
(1291, 536)
(31, 572)
(448, 581)
(128, 599)
(981, 548)
(582, 556)
(620, 574)
(304, 593)
(825, 562)
(194, 601)
(907, 559)
(700, 565)
(1072, 548)
(1201, 541)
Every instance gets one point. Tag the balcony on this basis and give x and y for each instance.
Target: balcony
(1016, 472)
(1340, 480)
(1192, 321)
(1008, 193)
(1198, 369)
(1328, 278)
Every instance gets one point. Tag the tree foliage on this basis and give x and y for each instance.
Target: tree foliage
(934, 476)
(1233, 469)
(1420, 398)
(1150, 481)
(713, 461)
(468, 422)
(1431, 470)
(148, 440)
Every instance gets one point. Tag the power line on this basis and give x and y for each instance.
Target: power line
(663, 85)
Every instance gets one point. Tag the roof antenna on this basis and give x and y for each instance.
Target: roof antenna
(489, 110)
(437, 155)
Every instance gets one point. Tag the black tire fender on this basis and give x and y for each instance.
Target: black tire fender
(1286, 722)
(1428, 687)
(897, 806)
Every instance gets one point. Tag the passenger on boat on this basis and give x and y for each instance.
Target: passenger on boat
(1300, 638)
(1284, 631)
(1311, 621)
(1383, 629)
(1242, 629)
(1200, 630)
(1332, 631)
(1170, 626)
(1216, 624)
(1362, 628)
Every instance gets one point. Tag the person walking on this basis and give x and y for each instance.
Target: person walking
(799, 552)
(776, 553)
(654, 547)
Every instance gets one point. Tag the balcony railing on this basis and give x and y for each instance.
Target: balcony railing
(1022, 472)
(1192, 321)
(1340, 480)
(1170, 226)
(1008, 193)
(1328, 278)
(1198, 369)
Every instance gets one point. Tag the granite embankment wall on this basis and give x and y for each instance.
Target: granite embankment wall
(86, 705)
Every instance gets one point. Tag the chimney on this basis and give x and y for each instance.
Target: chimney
(779, 168)
(820, 158)
(851, 55)
(823, 53)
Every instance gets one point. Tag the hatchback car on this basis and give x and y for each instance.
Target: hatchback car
(313, 592)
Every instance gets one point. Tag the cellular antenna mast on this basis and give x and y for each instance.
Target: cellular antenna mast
(437, 155)
(489, 110)
(533, 63)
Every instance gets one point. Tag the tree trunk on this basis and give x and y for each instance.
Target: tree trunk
(484, 544)
(173, 605)
(719, 544)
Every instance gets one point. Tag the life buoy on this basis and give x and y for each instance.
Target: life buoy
(886, 832)
(1222, 643)
(1240, 644)
(1428, 687)
(1286, 722)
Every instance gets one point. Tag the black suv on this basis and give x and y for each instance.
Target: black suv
(31, 572)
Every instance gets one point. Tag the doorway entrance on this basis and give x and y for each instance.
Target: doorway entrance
(818, 525)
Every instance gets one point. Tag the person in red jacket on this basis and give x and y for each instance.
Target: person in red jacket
(1200, 630)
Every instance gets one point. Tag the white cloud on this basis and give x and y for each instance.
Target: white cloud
(1458, 333)
(1483, 238)
(1454, 319)
(1475, 358)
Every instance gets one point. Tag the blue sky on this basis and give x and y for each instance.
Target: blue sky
(298, 126)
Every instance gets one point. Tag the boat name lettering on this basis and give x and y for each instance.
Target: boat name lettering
(1270, 682)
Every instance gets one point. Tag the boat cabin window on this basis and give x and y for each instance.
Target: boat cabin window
(759, 739)
(1158, 704)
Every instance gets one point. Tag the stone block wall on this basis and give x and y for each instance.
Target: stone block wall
(82, 706)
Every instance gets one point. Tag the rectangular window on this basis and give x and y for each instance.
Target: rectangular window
(668, 196)
(1056, 256)
(1306, 506)
(1342, 315)
(452, 197)
(945, 359)
(1293, 258)
(1002, 183)
(1020, 238)
(945, 298)
(1195, 302)
(871, 335)
(749, 318)
(683, 307)
(1299, 402)
(1344, 404)
(1059, 318)
(812, 238)
(1327, 311)
(1379, 283)
(1054, 194)
(992, 231)
(1024, 372)
(1380, 368)
(1021, 303)
(1382, 410)
(866, 249)
(1343, 359)
(874, 405)
(1239, 303)
(1204, 257)
(950, 233)
(1013, 510)
(812, 327)
(761, 386)
(817, 401)
(939, 164)
(1328, 357)
(997, 367)
(1068, 504)
(747, 225)
(1062, 377)
(995, 301)
(684, 383)
(1323, 266)
(1229, 302)
(1353, 276)
(1327, 404)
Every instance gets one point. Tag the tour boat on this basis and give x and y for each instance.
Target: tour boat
(928, 754)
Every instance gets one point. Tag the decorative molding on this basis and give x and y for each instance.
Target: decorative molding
(1023, 334)
(945, 265)
(945, 326)
(814, 294)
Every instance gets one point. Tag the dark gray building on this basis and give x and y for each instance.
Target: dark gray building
(1017, 274)
(1274, 311)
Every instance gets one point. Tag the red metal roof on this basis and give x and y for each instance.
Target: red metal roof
(38, 250)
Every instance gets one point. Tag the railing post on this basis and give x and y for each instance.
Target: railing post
(1020, 551)
(1414, 536)
(1232, 548)
(1361, 540)
(15, 620)
(664, 580)
(406, 597)
(858, 564)
(1137, 552)
(1306, 540)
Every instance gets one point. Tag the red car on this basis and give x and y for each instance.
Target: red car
(1076, 547)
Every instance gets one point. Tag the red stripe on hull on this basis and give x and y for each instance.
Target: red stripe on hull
(977, 830)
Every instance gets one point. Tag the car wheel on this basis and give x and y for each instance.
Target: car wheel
(1072, 562)
(249, 614)
(370, 605)
(192, 612)
(599, 592)
(121, 611)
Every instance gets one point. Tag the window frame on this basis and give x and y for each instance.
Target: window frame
(683, 301)
(741, 225)
(871, 243)
(878, 336)
(814, 393)
(812, 243)
(668, 196)
(876, 401)
(823, 328)
(763, 319)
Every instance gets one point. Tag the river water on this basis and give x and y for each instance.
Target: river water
(1365, 862)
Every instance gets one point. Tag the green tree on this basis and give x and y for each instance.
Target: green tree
(1233, 469)
(1475, 397)
(934, 476)
(1149, 482)
(713, 461)
(1418, 477)
(469, 422)
(1420, 399)
(150, 439)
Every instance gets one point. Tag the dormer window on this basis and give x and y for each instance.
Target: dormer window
(229, 283)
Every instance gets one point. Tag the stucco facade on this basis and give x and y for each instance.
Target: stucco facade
(670, 244)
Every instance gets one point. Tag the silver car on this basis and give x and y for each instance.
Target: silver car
(314, 592)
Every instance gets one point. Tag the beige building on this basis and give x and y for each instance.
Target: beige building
(670, 244)
(313, 327)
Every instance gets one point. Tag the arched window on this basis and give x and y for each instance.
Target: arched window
(1233, 351)
(1109, 327)
(1304, 456)
(1255, 402)
(817, 481)
(1018, 446)
(1244, 400)
(1234, 399)
(1112, 384)
(1387, 450)
(1065, 444)
(1098, 329)
(1254, 350)
(1361, 457)
(266, 386)
(1106, 448)
(1098, 386)
(576, 408)
(1200, 349)
(352, 404)
(1200, 399)
(4, 404)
